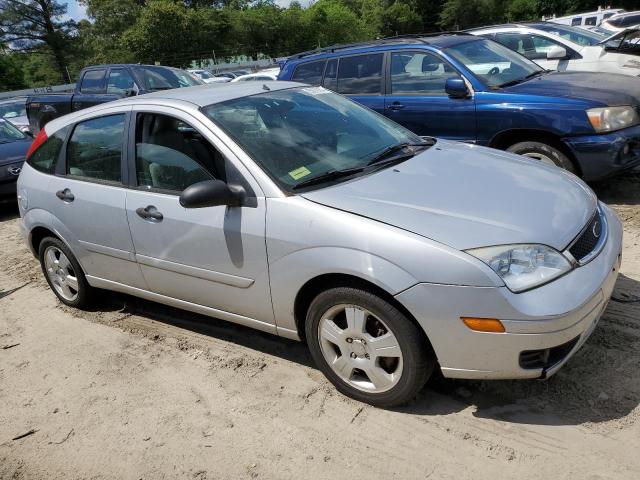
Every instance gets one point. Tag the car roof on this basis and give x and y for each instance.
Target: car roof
(438, 40)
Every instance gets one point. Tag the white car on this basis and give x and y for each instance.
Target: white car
(265, 75)
(565, 48)
(588, 18)
(622, 21)
(208, 77)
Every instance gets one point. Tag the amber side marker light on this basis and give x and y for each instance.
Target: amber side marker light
(484, 324)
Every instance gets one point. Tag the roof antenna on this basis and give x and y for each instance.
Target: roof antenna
(264, 87)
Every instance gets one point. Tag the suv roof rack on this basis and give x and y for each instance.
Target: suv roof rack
(413, 37)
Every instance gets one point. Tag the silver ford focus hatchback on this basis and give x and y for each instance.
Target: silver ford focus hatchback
(295, 211)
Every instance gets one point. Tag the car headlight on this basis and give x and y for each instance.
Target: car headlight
(608, 119)
(523, 266)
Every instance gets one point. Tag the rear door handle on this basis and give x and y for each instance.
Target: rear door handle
(396, 106)
(65, 195)
(150, 213)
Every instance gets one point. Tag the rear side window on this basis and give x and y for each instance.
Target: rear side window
(95, 149)
(360, 74)
(331, 75)
(44, 159)
(576, 21)
(591, 21)
(310, 73)
(93, 82)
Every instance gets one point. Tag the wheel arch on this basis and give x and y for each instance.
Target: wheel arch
(507, 138)
(313, 287)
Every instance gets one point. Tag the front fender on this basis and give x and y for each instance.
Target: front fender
(287, 276)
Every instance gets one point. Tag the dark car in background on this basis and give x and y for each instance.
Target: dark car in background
(14, 145)
(471, 89)
(105, 83)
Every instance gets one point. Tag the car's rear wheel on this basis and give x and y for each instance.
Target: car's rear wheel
(63, 273)
(367, 347)
(544, 153)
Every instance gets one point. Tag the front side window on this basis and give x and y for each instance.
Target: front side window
(419, 73)
(120, 81)
(534, 47)
(44, 159)
(310, 73)
(301, 133)
(95, 149)
(496, 65)
(161, 78)
(171, 155)
(573, 34)
(360, 74)
(93, 82)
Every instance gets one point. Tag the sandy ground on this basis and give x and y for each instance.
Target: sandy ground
(137, 390)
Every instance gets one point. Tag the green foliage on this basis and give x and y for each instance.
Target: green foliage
(11, 73)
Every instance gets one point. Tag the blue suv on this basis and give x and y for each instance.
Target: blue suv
(461, 87)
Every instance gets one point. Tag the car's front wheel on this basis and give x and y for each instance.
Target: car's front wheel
(544, 153)
(63, 273)
(367, 347)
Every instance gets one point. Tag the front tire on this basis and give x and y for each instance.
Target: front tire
(367, 347)
(543, 152)
(63, 273)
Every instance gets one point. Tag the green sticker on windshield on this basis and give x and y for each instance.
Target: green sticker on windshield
(298, 173)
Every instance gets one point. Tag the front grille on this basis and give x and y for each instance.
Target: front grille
(588, 240)
(548, 357)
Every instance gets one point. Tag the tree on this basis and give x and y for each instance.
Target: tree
(37, 26)
(11, 74)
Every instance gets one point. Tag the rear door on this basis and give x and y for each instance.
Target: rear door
(214, 257)
(416, 97)
(360, 77)
(88, 197)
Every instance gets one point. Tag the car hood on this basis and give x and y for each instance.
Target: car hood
(610, 89)
(467, 196)
(14, 152)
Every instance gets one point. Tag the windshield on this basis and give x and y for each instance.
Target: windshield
(576, 35)
(301, 133)
(493, 63)
(628, 40)
(13, 109)
(9, 133)
(204, 74)
(162, 78)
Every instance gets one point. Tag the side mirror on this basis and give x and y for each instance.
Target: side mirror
(211, 193)
(27, 132)
(557, 53)
(130, 92)
(456, 88)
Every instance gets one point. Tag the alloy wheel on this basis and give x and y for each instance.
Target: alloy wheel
(61, 273)
(360, 348)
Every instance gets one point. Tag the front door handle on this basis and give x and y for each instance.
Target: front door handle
(150, 213)
(396, 106)
(65, 195)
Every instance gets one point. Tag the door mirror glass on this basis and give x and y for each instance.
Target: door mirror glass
(456, 88)
(211, 193)
(556, 53)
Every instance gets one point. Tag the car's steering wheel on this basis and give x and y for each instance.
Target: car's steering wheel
(494, 71)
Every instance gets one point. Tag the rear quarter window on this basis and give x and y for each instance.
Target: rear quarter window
(310, 72)
(45, 158)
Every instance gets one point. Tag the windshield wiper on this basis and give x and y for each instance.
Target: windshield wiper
(520, 80)
(387, 152)
(328, 176)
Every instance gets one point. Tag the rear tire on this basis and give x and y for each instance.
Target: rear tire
(63, 273)
(543, 152)
(367, 347)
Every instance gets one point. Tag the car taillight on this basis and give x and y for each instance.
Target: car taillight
(39, 140)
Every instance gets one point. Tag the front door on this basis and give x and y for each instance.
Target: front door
(88, 197)
(416, 97)
(214, 257)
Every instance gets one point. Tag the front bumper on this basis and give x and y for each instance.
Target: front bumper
(601, 156)
(563, 312)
